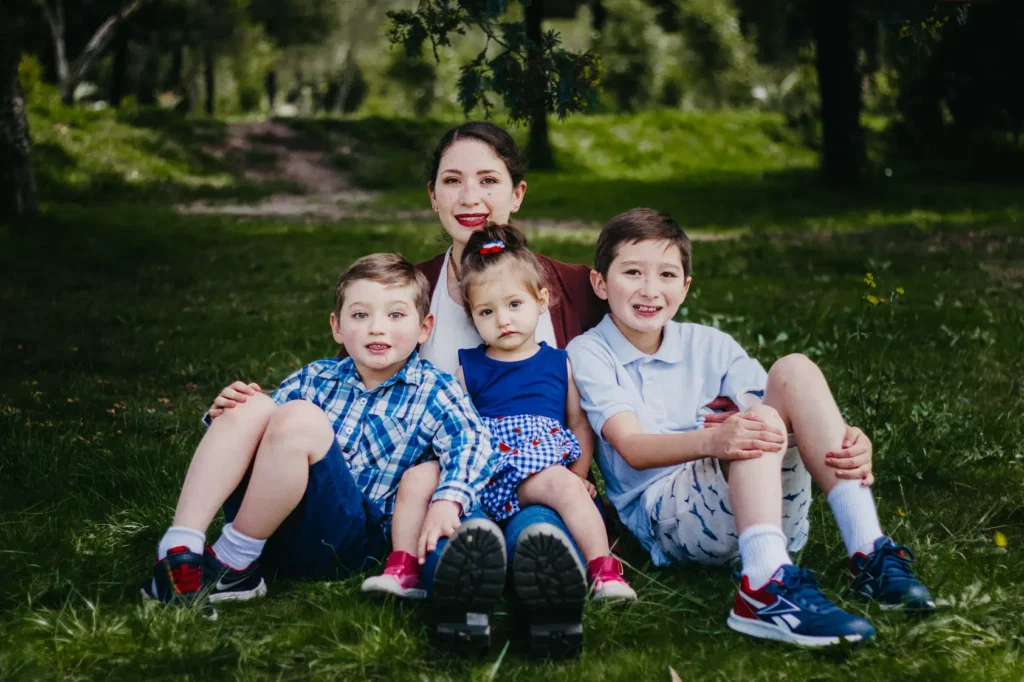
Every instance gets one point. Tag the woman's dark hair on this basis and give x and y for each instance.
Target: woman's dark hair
(476, 260)
(496, 137)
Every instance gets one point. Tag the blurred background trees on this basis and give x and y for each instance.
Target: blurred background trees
(937, 80)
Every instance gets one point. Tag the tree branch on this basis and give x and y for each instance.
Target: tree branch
(101, 38)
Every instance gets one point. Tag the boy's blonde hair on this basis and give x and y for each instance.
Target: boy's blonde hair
(482, 253)
(389, 269)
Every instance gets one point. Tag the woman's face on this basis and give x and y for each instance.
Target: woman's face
(472, 189)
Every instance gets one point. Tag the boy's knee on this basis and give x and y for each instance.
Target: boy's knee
(419, 481)
(794, 368)
(302, 426)
(258, 408)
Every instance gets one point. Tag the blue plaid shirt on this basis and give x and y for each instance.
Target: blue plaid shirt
(417, 415)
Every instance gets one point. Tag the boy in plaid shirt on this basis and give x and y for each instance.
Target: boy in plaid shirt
(307, 477)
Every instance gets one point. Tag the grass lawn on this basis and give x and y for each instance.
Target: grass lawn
(123, 320)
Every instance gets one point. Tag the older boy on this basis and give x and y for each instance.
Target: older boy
(307, 477)
(706, 496)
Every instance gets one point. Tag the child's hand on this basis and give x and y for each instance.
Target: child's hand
(854, 460)
(591, 488)
(441, 521)
(746, 436)
(231, 396)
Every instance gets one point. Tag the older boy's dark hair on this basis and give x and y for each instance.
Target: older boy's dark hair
(389, 269)
(639, 225)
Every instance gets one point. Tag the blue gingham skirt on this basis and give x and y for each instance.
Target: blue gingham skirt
(527, 443)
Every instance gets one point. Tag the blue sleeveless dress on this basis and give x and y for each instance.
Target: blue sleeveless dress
(523, 404)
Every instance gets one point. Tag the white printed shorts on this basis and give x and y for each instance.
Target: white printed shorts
(692, 520)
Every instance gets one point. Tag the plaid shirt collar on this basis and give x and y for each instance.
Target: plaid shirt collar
(346, 373)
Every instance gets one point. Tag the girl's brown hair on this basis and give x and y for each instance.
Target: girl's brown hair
(483, 252)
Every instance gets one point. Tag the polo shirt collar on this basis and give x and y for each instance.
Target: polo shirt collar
(671, 350)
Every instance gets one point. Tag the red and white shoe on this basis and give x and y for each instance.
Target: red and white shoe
(401, 578)
(606, 582)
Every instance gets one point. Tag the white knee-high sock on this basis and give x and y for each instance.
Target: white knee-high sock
(237, 550)
(180, 536)
(853, 505)
(762, 551)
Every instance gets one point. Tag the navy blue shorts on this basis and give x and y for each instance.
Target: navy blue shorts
(334, 532)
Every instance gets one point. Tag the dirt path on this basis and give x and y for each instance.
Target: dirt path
(326, 192)
(282, 156)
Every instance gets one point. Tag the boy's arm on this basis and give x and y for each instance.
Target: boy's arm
(576, 420)
(462, 445)
(612, 415)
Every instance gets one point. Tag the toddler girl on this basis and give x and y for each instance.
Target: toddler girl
(526, 395)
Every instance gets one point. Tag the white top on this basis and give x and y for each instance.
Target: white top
(453, 330)
(668, 391)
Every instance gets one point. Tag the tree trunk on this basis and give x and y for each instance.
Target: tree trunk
(177, 67)
(118, 70)
(71, 75)
(210, 73)
(271, 85)
(17, 181)
(538, 149)
(148, 82)
(842, 150)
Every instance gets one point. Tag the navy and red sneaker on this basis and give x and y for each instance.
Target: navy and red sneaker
(178, 580)
(885, 576)
(227, 584)
(791, 608)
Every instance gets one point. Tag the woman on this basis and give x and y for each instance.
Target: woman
(476, 177)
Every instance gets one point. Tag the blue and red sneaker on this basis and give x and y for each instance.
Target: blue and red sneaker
(791, 608)
(178, 580)
(228, 584)
(885, 576)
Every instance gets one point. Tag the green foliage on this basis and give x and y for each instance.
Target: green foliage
(717, 54)
(632, 48)
(416, 79)
(527, 75)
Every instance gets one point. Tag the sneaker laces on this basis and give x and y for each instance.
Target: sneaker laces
(801, 586)
(187, 578)
(894, 560)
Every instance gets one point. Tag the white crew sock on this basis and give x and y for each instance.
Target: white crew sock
(762, 551)
(180, 536)
(854, 508)
(236, 549)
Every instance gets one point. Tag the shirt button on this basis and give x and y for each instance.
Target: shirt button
(349, 430)
(362, 401)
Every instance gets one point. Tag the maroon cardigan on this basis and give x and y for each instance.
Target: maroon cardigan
(575, 308)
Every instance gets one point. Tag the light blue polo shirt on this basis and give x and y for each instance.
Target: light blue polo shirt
(668, 391)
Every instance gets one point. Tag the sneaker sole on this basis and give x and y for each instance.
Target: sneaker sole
(551, 582)
(764, 630)
(207, 613)
(468, 581)
(389, 589)
(241, 595)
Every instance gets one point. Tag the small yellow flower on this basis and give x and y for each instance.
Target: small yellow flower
(999, 539)
(899, 290)
(900, 513)
(163, 401)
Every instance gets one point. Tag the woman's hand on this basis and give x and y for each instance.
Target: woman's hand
(745, 436)
(728, 408)
(854, 460)
(591, 488)
(232, 396)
